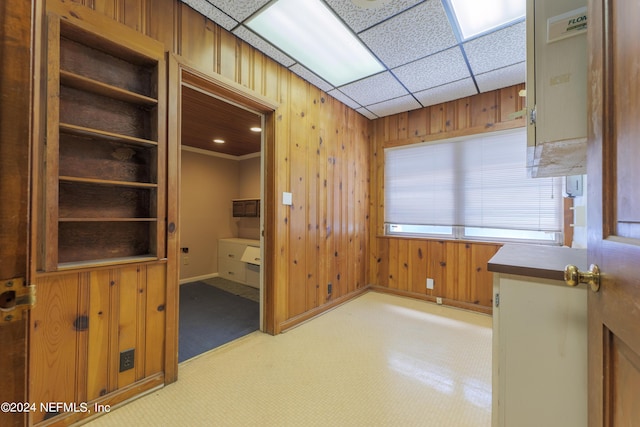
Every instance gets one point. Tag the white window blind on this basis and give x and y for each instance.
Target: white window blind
(476, 182)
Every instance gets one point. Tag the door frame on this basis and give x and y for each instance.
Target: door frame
(16, 53)
(181, 72)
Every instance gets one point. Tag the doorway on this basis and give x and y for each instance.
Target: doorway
(192, 93)
(220, 167)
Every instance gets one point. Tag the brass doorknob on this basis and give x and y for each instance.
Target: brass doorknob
(573, 276)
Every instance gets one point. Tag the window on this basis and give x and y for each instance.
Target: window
(474, 188)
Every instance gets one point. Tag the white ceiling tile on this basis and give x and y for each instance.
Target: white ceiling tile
(374, 89)
(216, 15)
(267, 48)
(239, 10)
(344, 99)
(413, 38)
(360, 18)
(434, 70)
(503, 77)
(448, 92)
(419, 32)
(394, 106)
(311, 77)
(368, 114)
(496, 50)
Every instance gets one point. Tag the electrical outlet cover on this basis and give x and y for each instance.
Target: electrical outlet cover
(127, 359)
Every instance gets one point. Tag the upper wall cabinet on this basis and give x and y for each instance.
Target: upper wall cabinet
(246, 208)
(557, 87)
(102, 184)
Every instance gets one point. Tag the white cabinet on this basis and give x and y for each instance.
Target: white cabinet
(230, 264)
(557, 87)
(539, 341)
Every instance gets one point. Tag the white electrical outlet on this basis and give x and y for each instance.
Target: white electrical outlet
(429, 283)
(439, 300)
(185, 260)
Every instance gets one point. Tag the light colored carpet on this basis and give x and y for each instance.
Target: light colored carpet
(378, 360)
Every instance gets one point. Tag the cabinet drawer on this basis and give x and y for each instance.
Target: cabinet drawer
(232, 270)
(230, 250)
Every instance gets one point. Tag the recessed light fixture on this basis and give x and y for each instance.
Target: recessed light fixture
(475, 17)
(256, 129)
(309, 32)
(218, 141)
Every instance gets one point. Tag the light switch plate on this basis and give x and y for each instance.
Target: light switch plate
(287, 198)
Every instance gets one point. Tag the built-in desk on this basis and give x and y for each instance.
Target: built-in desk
(233, 263)
(539, 338)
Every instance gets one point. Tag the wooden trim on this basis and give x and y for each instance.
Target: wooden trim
(269, 224)
(308, 315)
(113, 400)
(51, 148)
(84, 17)
(568, 221)
(173, 220)
(477, 130)
(445, 301)
(224, 88)
(181, 72)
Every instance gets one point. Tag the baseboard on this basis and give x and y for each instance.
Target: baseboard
(308, 315)
(445, 301)
(197, 278)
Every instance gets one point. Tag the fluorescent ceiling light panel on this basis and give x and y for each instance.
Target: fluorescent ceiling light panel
(310, 33)
(475, 17)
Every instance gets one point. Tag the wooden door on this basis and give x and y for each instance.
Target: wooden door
(614, 212)
(15, 87)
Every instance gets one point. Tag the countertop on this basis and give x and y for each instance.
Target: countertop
(546, 262)
(248, 242)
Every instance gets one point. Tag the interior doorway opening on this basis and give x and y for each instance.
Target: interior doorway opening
(211, 176)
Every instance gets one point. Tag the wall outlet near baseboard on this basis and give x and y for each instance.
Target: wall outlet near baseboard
(439, 300)
(127, 359)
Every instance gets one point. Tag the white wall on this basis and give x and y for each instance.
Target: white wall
(249, 228)
(208, 184)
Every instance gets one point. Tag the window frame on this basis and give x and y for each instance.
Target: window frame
(462, 232)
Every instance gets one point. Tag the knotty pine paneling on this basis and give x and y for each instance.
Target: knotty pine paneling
(89, 318)
(458, 269)
(402, 265)
(321, 155)
(55, 330)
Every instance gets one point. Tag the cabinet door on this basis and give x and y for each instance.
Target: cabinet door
(238, 208)
(251, 208)
(556, 87)
(82, 324)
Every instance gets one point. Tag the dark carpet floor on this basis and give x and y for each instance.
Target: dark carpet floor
(211, 317)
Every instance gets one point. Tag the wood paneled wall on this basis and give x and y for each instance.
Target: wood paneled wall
(320, 154)
(401, 265)
(89, 318)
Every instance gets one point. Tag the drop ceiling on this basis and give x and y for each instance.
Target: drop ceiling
(426, 61)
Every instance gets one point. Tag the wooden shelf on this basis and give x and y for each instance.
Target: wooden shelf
(77, 81)
(106, 262)
(104, 158)
(107, 219)
(107, 182)
(110, 136)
